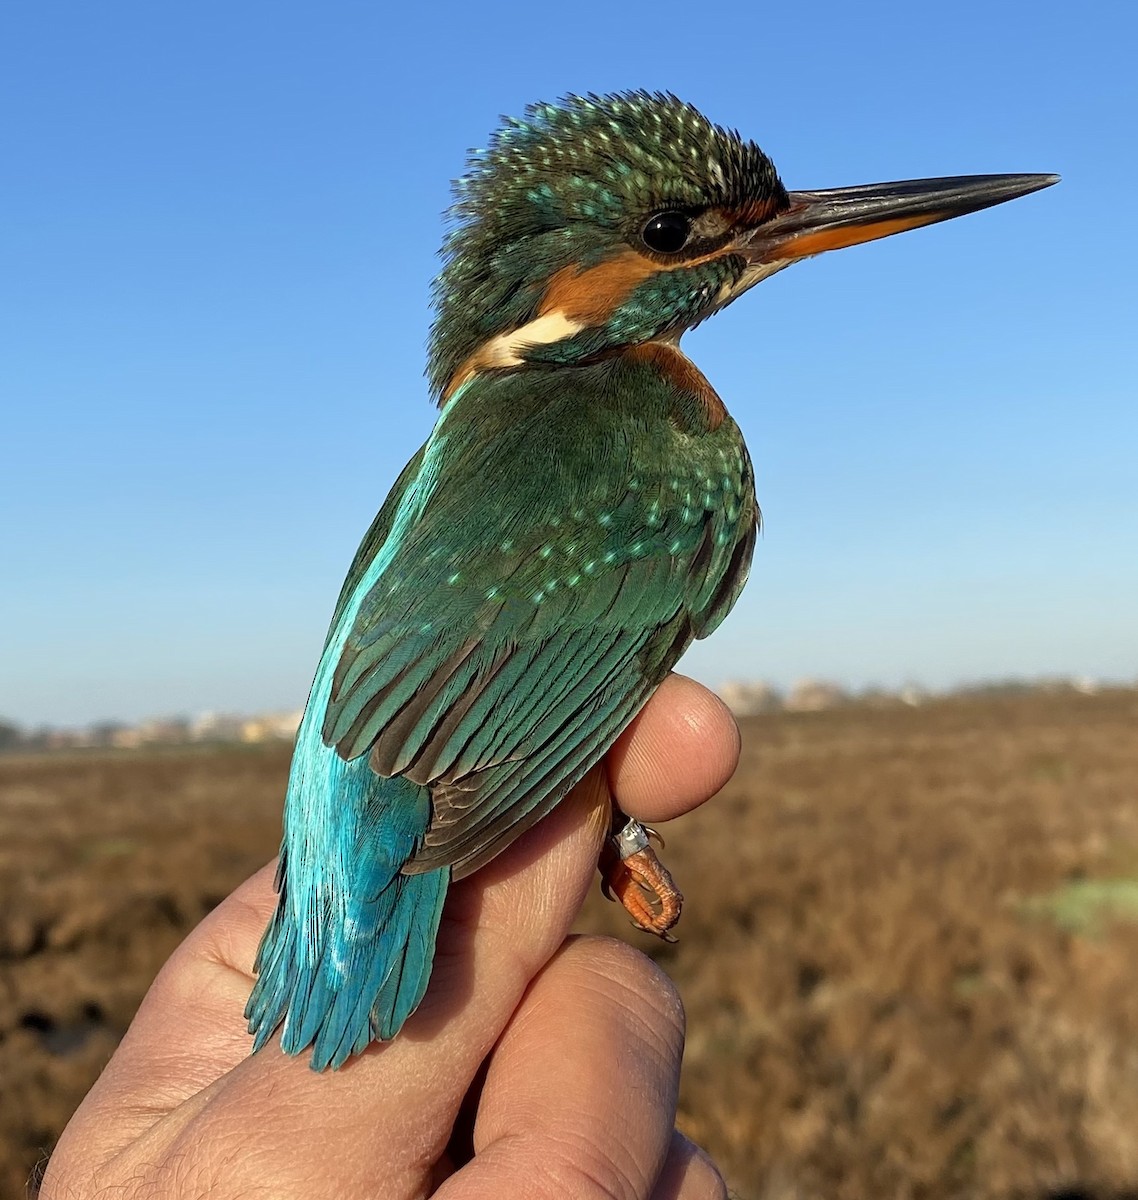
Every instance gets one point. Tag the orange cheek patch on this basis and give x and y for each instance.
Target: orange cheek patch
(592, 295)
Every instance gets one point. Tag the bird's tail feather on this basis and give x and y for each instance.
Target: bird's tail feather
(360, 976)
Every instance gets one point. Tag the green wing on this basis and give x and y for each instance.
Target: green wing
(564, 560)
(375, 537)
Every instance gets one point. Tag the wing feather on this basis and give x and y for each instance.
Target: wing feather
(512, 635)
(470, 845)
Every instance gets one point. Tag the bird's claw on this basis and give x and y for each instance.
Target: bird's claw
(633, 874)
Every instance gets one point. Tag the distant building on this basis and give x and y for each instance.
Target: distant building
(165, 731)
(125, 738)
(814, 695)
(217, 727)
(230, 727)
(747, 699)
(271, 727)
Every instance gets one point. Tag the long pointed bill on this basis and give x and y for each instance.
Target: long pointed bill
(830, 220)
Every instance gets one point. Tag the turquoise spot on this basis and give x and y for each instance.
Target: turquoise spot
(452, 579)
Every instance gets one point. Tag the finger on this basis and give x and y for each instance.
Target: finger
(679, 751)
(688, 1174)
(186, 1034)
(690, 742)
(499, 929)
(580, 1095)
(389, 1112)
(523, 904)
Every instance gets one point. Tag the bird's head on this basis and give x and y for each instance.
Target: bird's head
(604, 222)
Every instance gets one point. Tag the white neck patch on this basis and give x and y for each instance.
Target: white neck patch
(506, 349)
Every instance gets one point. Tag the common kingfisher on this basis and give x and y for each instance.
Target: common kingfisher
(582, 510)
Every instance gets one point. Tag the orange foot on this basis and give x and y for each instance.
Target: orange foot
(632, 874)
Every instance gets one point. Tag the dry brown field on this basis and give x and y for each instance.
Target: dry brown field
(909, 952)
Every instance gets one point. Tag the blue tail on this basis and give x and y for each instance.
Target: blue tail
(347, 955)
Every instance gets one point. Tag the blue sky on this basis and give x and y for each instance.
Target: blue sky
(219, 224)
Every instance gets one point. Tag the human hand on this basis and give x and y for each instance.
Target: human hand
(537, 1065)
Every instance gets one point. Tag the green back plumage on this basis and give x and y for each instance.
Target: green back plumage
(576, 540)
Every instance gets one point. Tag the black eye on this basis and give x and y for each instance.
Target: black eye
(667, 232)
